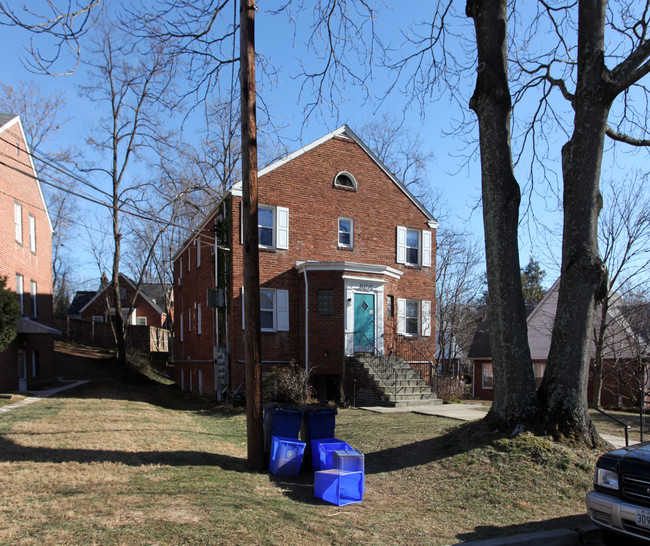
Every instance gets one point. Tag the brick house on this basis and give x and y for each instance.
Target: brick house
(623, 351)
(26, 262)
(347, 265)
(153, 305)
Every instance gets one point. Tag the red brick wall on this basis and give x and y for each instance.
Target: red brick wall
(305, 185)
(15, 258)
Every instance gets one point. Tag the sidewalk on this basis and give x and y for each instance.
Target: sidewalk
(39, 395)
(464, 412)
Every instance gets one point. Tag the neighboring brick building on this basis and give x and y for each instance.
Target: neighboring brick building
(625, 352)
(347, 262)
(26, 262)
(152, 307)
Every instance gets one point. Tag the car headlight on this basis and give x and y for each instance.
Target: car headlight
(606, 478)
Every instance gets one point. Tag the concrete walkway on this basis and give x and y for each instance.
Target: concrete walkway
(39, 395)
(464, 412)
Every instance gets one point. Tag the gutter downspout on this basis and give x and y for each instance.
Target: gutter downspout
(306, 325)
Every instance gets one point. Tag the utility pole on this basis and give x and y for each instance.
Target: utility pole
(252, 338)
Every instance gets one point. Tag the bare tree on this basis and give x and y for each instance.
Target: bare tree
(131, 83)
(459, 285)
(55, 33)
(624, 237)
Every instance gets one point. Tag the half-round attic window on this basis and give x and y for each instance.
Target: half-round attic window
(345, 180)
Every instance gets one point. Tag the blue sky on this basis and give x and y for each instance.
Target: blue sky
(275, 40)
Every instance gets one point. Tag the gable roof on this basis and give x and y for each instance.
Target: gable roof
(12, 122)
(144, 293)
(81, 298)
(540, 327)
(343, 132)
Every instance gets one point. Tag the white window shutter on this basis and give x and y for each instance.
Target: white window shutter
(282, 225)
(401, 316)
(425, 318)
(426, 248)
(282, 302)
(243, 318)
(401, 245)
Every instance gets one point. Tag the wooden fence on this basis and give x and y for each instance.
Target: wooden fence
(149, 339)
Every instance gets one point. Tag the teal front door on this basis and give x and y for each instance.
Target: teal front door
(364, 322)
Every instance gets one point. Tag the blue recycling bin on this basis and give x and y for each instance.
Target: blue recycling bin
(321, 423)
(322, 452)
(339, 487)
(286, 456)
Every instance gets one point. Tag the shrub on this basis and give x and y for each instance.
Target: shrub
(9, 314)
(451, 389)
(289, 384)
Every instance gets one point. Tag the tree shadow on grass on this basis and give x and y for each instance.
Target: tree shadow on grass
(461, 439)
(580, 523)
(12, 452)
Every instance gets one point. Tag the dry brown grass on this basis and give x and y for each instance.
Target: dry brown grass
(107, 464)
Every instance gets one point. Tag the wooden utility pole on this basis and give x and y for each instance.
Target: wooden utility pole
(252, 339)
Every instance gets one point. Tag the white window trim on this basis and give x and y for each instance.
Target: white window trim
(401, 317)
(484, 375)
(18, 222)
(425, 240)
(280, 310)
(181, 328)
(350, 176)
(97, 318)
(141, 321)
(280, 226)
(32, 233)
(33, 292)
(198, 320)
(20, 289)
(345, 219)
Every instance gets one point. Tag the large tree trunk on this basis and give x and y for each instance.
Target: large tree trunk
(514, 382)
(583, 279)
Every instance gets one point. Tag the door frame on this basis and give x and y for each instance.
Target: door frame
(363, 285)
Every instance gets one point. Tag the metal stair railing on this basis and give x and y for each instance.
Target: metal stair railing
(405, 348)
(625, 426)
(378, 362)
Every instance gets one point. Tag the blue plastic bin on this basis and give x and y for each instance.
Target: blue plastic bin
(322, 452)
(339, 487)
(351, 460)
(286, 456)
(285, 423)
(320, 424)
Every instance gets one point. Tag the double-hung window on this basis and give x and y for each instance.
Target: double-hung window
(32, 233)
(274, 310)
(19, 292)
(413, 246)
(33, 293)
(487, 379)
(18, 221)
(414, 317)
(346, 232)
(272, 226)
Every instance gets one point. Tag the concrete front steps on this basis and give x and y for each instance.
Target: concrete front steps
(400, 384)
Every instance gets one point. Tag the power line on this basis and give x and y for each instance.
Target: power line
(142, 215)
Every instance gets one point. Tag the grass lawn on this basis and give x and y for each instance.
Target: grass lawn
(109, 464)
